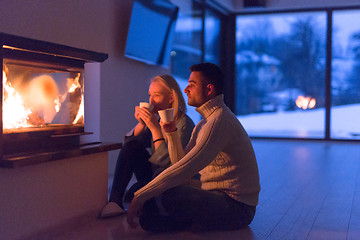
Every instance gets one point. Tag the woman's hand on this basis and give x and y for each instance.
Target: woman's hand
(141, 125)
(149, 118)
(137, 115)
(134, 212)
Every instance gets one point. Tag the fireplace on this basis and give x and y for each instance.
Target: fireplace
(42, 96)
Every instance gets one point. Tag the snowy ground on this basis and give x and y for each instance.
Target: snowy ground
(345, 123)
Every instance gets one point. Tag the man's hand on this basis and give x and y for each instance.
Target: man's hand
(168, 127)
(134, 212)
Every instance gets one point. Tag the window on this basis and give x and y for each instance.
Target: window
(196, 40)
(212, 37)
(187, 48)
(345, 84)
(284, 67)
(280, 74)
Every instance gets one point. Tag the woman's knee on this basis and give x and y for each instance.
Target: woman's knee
(134, 150)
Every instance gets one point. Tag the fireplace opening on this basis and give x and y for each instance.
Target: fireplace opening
(42, 95)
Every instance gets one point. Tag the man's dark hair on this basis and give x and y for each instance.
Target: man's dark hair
(213, 75)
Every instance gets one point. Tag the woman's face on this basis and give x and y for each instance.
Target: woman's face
(160, 96)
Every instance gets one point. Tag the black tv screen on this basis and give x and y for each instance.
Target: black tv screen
(151, 31)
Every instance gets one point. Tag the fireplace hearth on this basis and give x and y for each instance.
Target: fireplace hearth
(42, 99)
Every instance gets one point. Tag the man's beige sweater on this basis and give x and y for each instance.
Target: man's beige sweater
(219, 149)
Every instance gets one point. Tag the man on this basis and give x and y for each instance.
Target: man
(220, 150)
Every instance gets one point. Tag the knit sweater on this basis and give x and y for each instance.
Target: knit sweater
(219, 149)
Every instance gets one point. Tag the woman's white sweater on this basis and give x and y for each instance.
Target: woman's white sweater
(219, 149)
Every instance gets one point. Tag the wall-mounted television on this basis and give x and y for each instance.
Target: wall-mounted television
(151, 31)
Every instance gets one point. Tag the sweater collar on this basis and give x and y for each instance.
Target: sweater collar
(210, 106)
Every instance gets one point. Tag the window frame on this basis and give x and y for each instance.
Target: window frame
(328, 65)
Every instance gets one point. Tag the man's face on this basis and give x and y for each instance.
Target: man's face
(196, 90)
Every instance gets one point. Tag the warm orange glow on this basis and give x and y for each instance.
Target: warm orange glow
(81, 111)
(57, 104)
(305, 102)
(15, 114)
(74, 84)
(40, 94)
(39, 102)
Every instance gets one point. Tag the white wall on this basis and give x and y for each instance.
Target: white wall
(97, 25)
(52, 197)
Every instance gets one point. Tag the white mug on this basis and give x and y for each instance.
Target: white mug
(146, 105)
(167, 115)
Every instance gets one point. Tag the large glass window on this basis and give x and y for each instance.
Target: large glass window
(280, 68)
(187, 48)
(196, 39)
(345, 85)
(212, 37)
(280, 74)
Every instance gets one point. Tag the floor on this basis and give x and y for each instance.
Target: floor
(310, 190)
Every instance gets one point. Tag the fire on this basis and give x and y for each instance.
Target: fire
(74, 84)
(80, 112)
(40, 102)
(73, 88)
(40, 94)
(57, 103)
(305, 102)
(15, 114)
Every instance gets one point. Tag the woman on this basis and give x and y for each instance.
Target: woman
(164, 92)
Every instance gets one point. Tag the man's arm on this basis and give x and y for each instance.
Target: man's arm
(176, 151)
(209, 142)
(161, 155)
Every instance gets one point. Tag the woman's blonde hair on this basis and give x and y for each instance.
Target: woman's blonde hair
(179, 102)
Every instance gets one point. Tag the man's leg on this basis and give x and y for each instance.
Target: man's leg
(211, 210)
(153, 221)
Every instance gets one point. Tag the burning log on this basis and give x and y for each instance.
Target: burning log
(35, 119)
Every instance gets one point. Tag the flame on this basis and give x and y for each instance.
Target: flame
(42, 99)
(80, 113)
(15, 114)
(73, 88)
(75, 84)
(57, 103)
(305, 102)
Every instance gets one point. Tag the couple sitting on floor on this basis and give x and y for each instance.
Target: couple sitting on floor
(168, 195)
